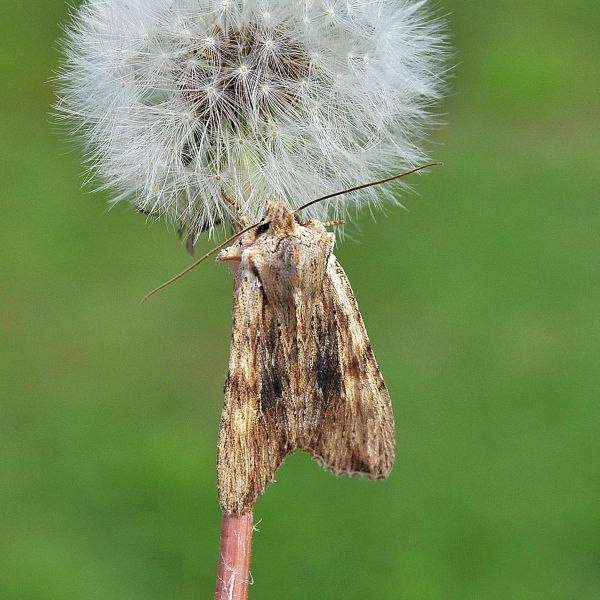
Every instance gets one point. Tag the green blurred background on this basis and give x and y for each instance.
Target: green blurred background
(482, 304)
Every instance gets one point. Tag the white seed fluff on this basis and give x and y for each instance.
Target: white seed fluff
(188, 105)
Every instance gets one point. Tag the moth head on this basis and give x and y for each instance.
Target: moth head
(279, 220)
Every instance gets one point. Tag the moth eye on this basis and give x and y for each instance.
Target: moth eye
(297, 219)
(262, 228)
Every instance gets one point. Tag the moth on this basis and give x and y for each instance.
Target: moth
(302, 373)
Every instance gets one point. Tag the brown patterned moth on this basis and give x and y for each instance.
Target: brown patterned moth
(302, 373)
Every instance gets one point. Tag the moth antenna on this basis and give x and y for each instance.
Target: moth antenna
(200, 261)
(264, 222)
(368, 185)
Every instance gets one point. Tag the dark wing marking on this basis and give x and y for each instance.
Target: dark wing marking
(302, 379)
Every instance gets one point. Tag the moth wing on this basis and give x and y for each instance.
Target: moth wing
(356, 433)
(252, 443)
(309, 381)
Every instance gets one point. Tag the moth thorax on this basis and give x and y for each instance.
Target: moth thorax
(295, 271)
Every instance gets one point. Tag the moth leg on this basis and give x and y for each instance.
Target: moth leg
(238, 209)
(315, 225)
(319, 226)
(334, 223)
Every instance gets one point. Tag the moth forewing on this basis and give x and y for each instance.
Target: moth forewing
(302, 374)
(365, 401)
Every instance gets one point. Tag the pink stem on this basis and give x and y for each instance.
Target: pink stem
(234, 557)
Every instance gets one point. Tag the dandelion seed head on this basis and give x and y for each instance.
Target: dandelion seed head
(184, 103)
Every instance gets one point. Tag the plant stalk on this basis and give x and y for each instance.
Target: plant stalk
(234, 557)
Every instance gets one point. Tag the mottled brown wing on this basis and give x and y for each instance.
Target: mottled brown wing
(250, 447)
(300, 377)
(356, 433)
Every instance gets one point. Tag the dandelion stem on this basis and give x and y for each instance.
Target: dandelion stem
(234, 557)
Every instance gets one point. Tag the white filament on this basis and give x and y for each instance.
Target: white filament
(181, 102)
